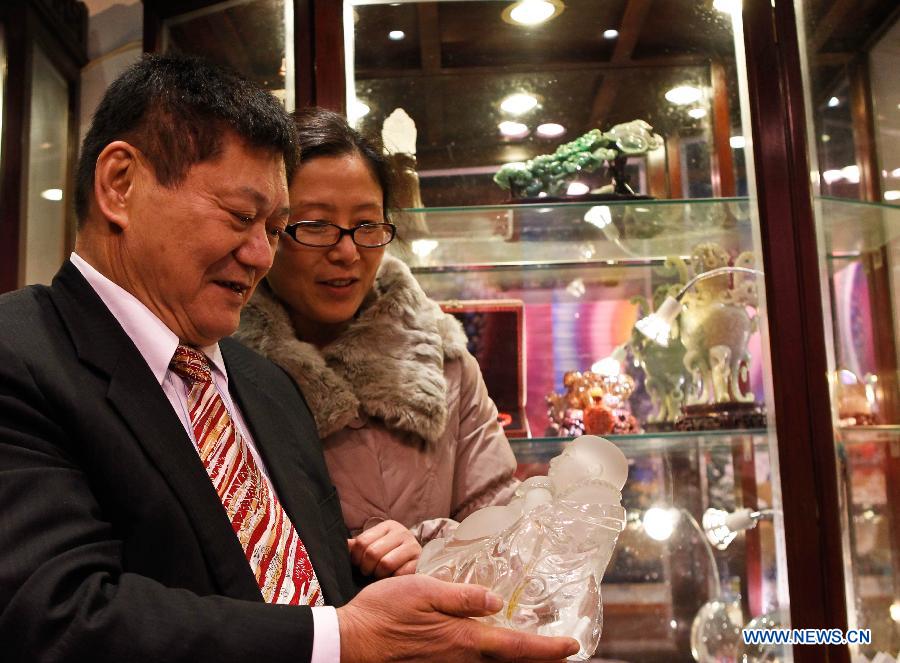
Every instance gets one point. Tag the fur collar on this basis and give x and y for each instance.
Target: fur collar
(389, 363)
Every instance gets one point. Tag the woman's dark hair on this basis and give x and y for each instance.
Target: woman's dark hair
(324, 133)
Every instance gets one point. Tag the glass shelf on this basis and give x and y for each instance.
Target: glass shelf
(853, 227)
(638, 233)
(567, 235)
(644, 443)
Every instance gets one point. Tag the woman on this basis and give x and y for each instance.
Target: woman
(410, 435)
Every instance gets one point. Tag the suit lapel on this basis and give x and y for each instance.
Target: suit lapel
(282, 449)
(141, 403)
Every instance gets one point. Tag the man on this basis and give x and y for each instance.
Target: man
(163, 494)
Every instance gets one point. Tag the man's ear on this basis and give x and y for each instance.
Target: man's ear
(114, 181)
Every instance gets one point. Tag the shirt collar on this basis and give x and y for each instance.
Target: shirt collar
(155, 342)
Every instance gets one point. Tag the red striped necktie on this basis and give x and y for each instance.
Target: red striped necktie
(272, 546)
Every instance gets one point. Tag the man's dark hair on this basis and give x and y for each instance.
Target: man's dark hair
(176, 109)
(324, 133)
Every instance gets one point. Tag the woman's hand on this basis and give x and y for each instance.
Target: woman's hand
(386, 549)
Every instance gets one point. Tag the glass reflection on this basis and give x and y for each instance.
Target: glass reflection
(48, 146)
(465, 70)
(255, 37)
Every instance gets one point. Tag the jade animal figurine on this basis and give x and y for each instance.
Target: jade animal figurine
(544, 553)
(718, 319)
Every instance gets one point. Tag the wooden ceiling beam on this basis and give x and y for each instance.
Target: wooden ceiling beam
(429, 36)
(629, 32)
(835, 16)
(630, 29)
(486, 70)
(430, 53)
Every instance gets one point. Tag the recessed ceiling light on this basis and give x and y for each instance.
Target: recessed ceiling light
(396, 35)
(737, 142)
(550, 130)
(52, 194)
(577, 189)
(532, 12)
(684, 94)
(697, 113)
(851, 174)
(610, 34)
(834, 102)
(518, 103)
(893, 194)
(832, 176)
(513, 129)
(825, 138)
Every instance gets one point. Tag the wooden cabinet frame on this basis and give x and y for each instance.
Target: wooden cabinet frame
(60, 30)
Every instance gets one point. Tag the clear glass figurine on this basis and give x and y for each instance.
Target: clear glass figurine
(544, 553)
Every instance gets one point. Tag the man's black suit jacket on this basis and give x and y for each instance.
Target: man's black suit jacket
(113, 543)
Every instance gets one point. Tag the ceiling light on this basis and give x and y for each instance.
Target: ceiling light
(610, 34)
(518, 103)
(532, 12)
(728, 6)
(895, 172)
(737, 142)
(513, 129)
(396, 35)
(832, 176)
(851, 174)
(684, 94)
(550, 130)
(825, 138)
(893, 194)
(834, 102)
(52, 194)
(697, 113)
(577, 189)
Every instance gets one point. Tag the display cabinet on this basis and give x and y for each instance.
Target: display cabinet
(583, 274)
(793, 415)
(850, 87)
(42, 48)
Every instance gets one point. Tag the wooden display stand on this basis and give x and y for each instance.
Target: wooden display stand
(495, 329)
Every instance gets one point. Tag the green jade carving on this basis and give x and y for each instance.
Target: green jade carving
(551, 173)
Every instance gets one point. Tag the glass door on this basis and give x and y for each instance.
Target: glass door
(46, 196)
(255, 37)
(519, 218)
(852, 89)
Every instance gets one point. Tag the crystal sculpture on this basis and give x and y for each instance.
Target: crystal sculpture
(544, 553)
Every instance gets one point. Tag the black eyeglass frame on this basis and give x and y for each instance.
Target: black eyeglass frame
(291, 231)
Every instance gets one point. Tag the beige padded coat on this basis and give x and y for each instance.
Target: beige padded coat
(409, 431)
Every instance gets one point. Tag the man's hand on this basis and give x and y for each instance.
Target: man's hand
(419, 618)
(386, 549)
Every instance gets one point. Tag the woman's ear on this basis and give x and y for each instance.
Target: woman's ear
(114, 181)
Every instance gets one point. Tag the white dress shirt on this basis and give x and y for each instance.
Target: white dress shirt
(156, 344)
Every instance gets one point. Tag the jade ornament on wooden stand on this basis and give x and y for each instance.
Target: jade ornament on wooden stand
(550, 174)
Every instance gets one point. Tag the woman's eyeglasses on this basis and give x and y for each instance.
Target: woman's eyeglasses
(322, 234)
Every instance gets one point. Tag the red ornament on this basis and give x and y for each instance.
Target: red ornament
(599, 420)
